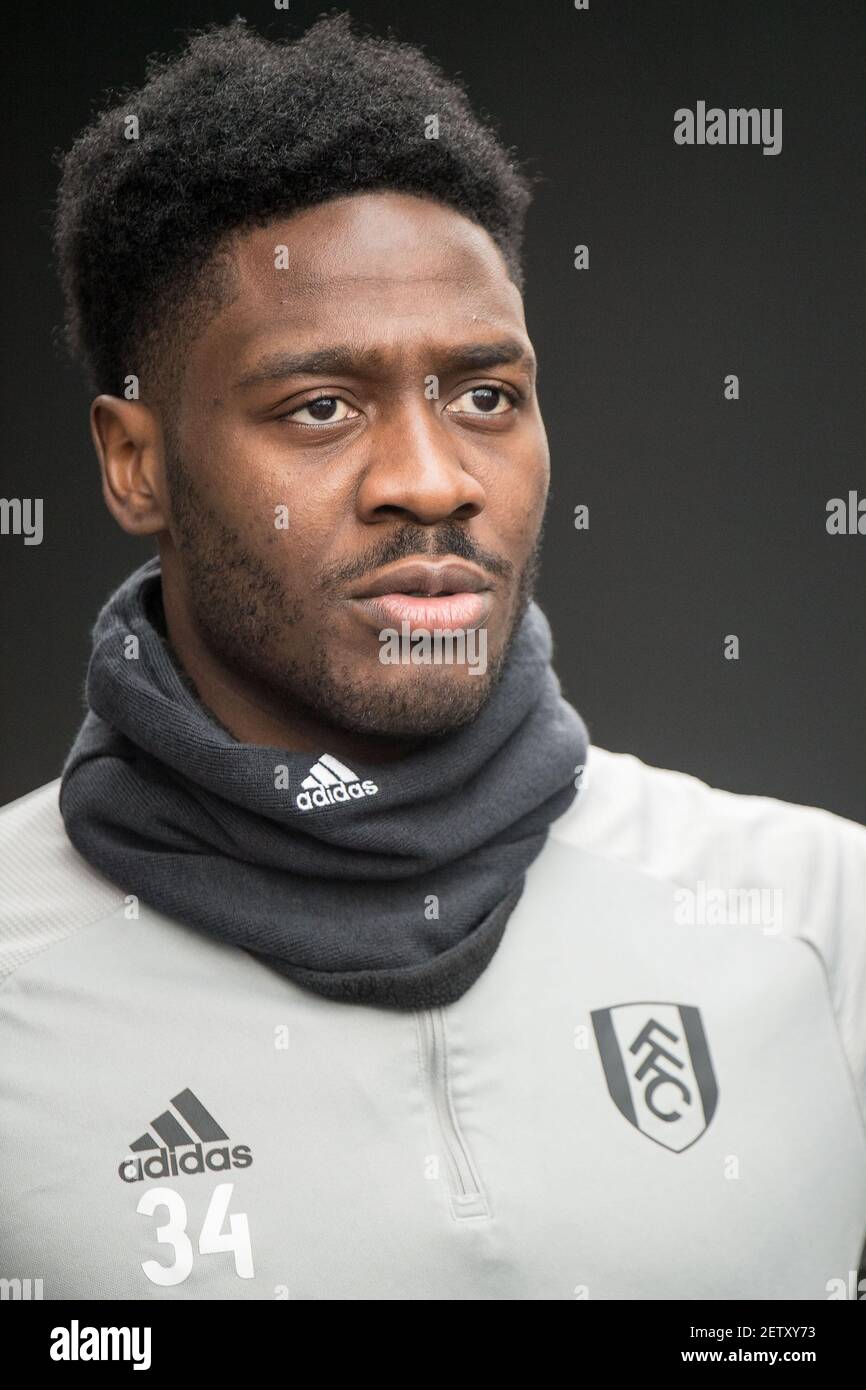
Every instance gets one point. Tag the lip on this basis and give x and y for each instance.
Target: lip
(465, 610)
(422, 595)
(419, 577)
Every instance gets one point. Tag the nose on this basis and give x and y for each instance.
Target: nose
(415, 471)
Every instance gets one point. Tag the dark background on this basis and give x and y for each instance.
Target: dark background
(707, 517)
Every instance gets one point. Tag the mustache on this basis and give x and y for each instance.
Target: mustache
(416, 542)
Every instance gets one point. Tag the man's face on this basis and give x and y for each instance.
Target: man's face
(409, 443)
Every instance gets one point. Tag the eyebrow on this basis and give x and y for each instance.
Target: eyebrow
(344, 360)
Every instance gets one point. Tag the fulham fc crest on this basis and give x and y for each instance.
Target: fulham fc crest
(658, 1069)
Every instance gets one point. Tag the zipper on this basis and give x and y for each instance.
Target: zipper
(466, 1193)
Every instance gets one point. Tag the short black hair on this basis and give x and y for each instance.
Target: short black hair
(233, 131)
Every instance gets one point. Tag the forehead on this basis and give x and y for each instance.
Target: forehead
(390, 271)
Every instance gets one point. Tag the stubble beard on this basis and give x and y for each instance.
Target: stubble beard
(254, 627)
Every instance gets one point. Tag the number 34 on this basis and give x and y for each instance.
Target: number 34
(212, 1239)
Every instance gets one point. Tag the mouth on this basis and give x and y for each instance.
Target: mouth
(452, 595)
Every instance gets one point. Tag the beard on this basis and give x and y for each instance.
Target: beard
(277, 640)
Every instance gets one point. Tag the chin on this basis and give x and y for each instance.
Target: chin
(415, 707)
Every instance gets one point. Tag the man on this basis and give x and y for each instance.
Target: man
(336, 966)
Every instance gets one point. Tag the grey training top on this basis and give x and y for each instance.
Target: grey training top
(657, 1088)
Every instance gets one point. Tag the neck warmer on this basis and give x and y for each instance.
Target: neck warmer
(396, 896)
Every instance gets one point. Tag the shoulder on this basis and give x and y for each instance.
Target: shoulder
(676, 827)
(47, 891)
(680, 830)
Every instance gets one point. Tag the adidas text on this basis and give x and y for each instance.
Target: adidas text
(330, 782)
(167, 1162)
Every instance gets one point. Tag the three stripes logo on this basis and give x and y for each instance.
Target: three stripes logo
(331, 781)
(198, 1130)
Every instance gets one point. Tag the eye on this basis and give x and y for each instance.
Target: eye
(484, 400)
(324, 410)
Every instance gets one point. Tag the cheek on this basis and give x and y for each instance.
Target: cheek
(248, 484)
(286, 515)
(527, 496)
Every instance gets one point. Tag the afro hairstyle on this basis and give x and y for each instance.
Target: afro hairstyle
(232, 132)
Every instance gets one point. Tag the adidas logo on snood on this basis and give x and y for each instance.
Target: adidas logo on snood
(171, 1136)
(330, 782)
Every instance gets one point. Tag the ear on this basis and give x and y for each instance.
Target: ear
(128, 442)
